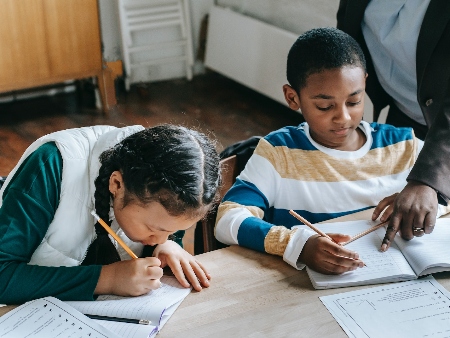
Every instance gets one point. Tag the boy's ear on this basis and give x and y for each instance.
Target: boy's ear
(291, 97)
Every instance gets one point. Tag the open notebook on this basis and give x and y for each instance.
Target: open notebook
(156, 306)
(405, 260)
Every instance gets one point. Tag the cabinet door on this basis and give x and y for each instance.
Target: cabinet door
(73, 37)
(23, 52)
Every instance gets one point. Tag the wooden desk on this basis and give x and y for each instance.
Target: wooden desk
(254, 294)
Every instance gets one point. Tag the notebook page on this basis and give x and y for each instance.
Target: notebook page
(152, 306)
(50, 318)
(429, 253)
(380, 266)
(126, 330)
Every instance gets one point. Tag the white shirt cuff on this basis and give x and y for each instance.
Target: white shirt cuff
(295, 247)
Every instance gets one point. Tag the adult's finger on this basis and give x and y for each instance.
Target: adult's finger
(380, 207)
(391, 230)
(429, 223)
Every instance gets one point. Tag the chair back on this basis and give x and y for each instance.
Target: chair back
(204, 232)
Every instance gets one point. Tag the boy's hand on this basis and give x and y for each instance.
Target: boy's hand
(386, 203)
(132, 277)
(324, 256)
(184, 266)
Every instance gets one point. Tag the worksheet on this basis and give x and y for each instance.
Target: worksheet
(417, 308)
(50, 318)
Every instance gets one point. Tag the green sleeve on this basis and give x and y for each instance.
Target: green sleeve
(29, 205)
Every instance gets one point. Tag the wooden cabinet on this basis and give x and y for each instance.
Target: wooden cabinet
(43, 42)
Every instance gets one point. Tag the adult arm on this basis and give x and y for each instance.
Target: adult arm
(29, 204)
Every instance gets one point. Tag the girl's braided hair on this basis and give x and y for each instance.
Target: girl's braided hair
(173, 165)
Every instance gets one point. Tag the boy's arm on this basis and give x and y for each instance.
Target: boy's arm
(29, 204)
(244, 216)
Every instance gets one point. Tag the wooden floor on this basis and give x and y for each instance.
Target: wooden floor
(211, 103)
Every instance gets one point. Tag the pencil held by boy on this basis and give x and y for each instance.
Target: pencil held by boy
(332, 165)
(143, 183)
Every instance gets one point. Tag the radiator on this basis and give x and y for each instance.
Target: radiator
(248, 51)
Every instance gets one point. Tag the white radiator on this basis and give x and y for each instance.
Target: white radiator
(248, 51)
(254, 53)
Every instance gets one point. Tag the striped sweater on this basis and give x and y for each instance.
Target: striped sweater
(289, 170)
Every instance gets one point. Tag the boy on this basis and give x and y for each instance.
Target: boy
(332, 165)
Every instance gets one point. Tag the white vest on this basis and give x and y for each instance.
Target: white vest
(72, 229)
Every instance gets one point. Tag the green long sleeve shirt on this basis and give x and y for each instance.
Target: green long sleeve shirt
(29, 205)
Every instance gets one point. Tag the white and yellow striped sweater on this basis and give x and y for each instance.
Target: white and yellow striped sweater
(289, 170)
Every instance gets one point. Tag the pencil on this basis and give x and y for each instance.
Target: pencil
(117, 319)
(368, 231)
(113, 234)
(301, 219)
(321, 233)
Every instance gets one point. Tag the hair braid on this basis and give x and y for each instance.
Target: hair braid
(102, 250)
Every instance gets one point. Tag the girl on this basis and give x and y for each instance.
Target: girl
(148, 184)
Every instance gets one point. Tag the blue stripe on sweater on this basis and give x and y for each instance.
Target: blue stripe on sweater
(246, 193)
(389, 135)
(252, 233)
(295, 137)
(284, 218)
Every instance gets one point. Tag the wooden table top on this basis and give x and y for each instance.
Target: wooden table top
(254, 294)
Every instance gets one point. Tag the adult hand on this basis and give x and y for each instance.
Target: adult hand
(132, 277)
(386, 204)
(414, 213)
(325, 256)
(184, 266)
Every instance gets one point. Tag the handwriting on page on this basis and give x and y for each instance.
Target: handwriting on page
(378, 264)
(49, 318)
(410, 309)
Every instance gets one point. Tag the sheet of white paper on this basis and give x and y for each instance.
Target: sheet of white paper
(156, 306)
(50, 318)
(431, 250)
(418, 308)
(380, 266)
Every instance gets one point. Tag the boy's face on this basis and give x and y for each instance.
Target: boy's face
(332, 102)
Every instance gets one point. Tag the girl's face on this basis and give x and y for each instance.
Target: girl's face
(149, 224)
(332, 102)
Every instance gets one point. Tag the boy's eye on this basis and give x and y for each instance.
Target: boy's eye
(352, 104)
(324, 108)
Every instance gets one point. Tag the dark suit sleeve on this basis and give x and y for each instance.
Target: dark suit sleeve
(433, 164)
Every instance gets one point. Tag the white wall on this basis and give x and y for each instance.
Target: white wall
(296, 16)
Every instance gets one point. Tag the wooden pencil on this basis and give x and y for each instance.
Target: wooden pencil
(301, 219)
(113, 234)
(368, 231)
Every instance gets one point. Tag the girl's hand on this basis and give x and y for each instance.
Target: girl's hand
(132, 277)
(324, 256)
(184, 266)
(386, 203)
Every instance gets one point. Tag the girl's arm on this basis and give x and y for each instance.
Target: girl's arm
(29, 204)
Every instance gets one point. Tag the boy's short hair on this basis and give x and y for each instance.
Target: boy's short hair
(319, 49)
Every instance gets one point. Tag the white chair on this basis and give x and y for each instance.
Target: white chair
(148, 17)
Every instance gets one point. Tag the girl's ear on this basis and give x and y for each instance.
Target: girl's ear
(116, 185)
(291, 97)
